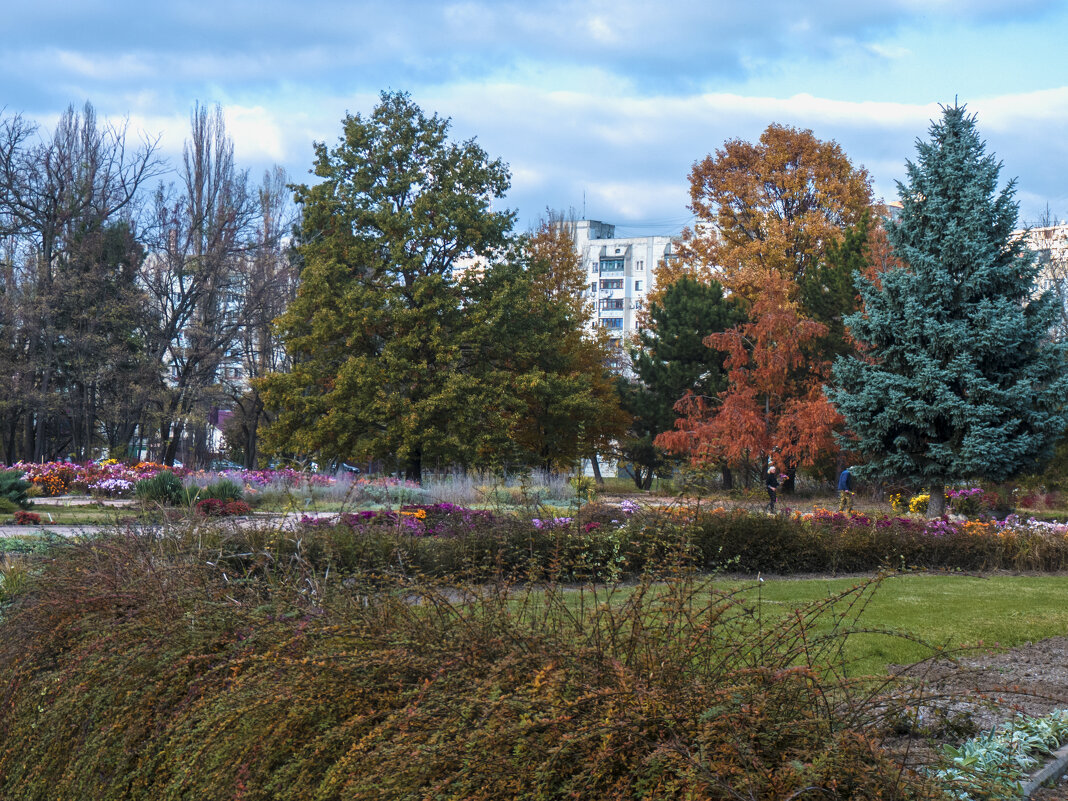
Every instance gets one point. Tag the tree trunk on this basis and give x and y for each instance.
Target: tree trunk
(789, 480)
(413, 471)
(596, 469)
(936, 507)
(637, 475)
(171, 440)
(648, 483)
(728, 477)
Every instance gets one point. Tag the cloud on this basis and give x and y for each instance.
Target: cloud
(614, 99)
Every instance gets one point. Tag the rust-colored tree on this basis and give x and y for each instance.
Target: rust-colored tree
(773, 218)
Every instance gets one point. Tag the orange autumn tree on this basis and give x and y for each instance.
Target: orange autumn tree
(772, 223)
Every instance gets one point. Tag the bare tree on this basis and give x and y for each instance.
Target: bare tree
(269, 286)
(1048, 238)
(205, 235)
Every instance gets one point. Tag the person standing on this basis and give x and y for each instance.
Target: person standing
(772, 484)
(845, 490)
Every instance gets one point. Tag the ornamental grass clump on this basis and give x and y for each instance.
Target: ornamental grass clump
(147, 669)
(163, 488)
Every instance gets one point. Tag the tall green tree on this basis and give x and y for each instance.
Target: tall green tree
(376, 329)
(671, 360)
(960, 379)
(544, 394)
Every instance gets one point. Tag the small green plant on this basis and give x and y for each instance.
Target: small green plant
(14, 489)
(224, 490)
(13, 575)
(993, 764)
(585, 488)
(163, 488)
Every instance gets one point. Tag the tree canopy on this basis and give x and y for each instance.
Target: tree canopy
(773, 223)
(672, 360)
(421, 332)
(958, 378)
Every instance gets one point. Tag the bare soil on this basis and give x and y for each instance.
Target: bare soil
(992, 687)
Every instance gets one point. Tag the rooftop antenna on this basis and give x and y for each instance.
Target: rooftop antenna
(584, 204)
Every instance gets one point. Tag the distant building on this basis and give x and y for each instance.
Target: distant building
(620, 272)
(1050, 245)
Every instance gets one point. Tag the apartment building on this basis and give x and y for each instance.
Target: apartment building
(620, 272)
(1050, 245)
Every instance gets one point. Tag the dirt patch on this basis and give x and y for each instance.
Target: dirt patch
(992, 687)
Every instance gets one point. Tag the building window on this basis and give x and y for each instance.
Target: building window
(639, 265)
(614, 342)
(637, 286)
(611, 265)
(637, 304)
(593, 266)
(615, 304)
(611, 322)
(612, 283)
(593, 286)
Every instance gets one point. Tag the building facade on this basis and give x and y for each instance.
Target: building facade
(620, 272)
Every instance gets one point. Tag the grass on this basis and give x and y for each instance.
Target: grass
(943, 610)
(77, 514)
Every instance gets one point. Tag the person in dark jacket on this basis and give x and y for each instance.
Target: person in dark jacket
(845, 490)
(772, 484)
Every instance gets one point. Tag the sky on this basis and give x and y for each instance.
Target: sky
(601, 107)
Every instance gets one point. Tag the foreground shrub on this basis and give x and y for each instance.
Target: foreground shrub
(130, 671)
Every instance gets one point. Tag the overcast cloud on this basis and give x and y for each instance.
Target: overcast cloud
(607, 103)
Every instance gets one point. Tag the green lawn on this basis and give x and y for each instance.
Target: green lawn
(77, 514)
(944, 610)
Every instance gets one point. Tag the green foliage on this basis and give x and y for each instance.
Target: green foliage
(377, 329)
(827, 291)
(163, 488)
(147, 673)
(224, 489)
(670, 360)
(14, 488)
(959, 379)
(397, 353)
(585, 488)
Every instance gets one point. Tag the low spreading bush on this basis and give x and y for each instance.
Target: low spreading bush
(24, 518)
(14, 488)
(135, 670)
(214, 507)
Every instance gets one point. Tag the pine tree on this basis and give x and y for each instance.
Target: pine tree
(960, 379)
(671, 360)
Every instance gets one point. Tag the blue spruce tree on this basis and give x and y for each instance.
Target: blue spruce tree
(959, 379)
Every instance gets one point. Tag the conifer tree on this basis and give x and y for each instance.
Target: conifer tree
(670, 361)
(960, 379)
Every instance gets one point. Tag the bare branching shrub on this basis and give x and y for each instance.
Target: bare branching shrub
(180, 666)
